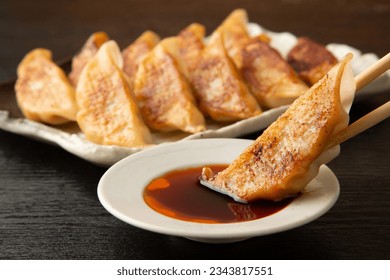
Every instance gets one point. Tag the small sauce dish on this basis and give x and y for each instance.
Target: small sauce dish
(121, 191)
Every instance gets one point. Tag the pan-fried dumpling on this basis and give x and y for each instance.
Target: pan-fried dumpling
(190, 46)
(43, 91)
(220, 90)
(136, 51)
(163, 93)
(235, 35)
(88, 50)
(108, 113)
(270, 78)
(311, 60)
(288, 154)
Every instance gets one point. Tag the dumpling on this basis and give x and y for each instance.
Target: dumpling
(311, 60)
(108, 113)
(136, 51)
(190, 45)
(163, 93)
(234, 32)
(86, 53)
(288, 154)
(221, 92)
(43, 91)
(269, 76)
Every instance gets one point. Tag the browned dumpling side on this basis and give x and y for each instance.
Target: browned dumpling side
(108, 113)
(221, 92)
(136, 51)
(163, 93)
(235, 35)
(43, 91)
(269, 76)
(190, 46)
(311, 60)
(88, 50)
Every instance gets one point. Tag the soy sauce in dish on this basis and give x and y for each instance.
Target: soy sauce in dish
(178, 194)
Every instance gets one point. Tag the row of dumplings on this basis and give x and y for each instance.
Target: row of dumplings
(176, 83)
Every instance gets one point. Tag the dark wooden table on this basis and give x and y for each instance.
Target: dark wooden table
(48, 203)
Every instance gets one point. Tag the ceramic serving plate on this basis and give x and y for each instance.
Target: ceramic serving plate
(121, 188)
(70, 138)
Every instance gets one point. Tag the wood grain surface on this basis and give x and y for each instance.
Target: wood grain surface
(48, 203)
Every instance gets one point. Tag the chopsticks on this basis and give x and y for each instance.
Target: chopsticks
(372, 72)
(374, 117)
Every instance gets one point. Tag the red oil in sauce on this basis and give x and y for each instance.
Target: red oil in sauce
(179, 194)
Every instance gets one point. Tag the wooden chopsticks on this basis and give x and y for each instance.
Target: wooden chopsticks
(372, 72)
(374, 117)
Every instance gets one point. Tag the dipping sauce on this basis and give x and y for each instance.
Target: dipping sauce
(179, 194)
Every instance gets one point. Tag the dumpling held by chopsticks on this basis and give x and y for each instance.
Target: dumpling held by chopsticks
(287, 156)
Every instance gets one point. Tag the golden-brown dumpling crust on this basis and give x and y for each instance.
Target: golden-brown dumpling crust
(221, 92)
(270, 78)
(311, 60)
(235, 35)
(190, 46)
(136, 51)
(88, 50)
(163, 93)
(43, 91)
(108, 113)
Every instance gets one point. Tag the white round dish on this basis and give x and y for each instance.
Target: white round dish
(120, 191)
